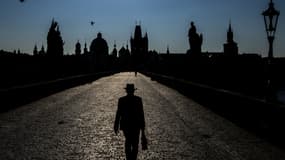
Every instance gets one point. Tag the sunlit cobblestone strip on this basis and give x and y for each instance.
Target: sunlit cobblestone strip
(78, 124)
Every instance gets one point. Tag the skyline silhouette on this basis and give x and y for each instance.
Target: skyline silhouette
(235, 82)
(166, 22)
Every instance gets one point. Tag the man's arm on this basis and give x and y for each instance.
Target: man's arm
(117, 119)
(142, 116)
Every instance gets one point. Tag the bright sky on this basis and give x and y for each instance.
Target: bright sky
(22, 25)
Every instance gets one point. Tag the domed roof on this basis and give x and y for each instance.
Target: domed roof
(99, 45)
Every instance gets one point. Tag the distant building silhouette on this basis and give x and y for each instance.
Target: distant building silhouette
(99, 50)
(230, 48)
(77, 48)
(35, 51)
(85, 50)
(195, 40)
(127, 50)
(139, 47)
(124, 58)
(99, 46)
(122, 52)
(42, 51)
(167, 50)
(54, 40)
(114, 52)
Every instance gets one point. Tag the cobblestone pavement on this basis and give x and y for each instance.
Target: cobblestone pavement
(78, 124)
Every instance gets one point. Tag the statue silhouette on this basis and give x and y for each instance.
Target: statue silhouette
(54, 40)
(130, 119)
(195, 40)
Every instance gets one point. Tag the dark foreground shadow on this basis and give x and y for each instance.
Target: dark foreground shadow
(266, 120)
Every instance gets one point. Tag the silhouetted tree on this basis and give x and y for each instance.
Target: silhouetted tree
(54, 40)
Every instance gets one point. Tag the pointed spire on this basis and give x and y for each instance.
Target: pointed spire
(115, 52)
(42, 51)
(230, 26)
(77, 48)
(230, 47)
(138, 32)
(35, 52)
(230, 34)
(85, 48)
(167, 51)
(127, 47)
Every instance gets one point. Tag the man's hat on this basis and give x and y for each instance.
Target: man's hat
(130, 87)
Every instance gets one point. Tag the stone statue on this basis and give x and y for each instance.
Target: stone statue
(195, 40)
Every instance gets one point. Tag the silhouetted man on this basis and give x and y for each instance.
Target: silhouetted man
(130, 119)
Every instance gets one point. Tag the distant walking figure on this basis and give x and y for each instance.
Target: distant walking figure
(130, 119)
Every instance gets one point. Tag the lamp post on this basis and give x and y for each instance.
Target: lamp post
(271, 16)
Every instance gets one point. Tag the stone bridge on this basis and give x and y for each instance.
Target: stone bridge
(78, 124)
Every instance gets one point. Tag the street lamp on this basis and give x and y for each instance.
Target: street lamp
(271, 16)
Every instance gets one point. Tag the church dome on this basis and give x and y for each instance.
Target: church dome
(99, 46)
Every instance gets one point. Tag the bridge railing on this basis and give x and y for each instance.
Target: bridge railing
(19, 95)
(262, 117)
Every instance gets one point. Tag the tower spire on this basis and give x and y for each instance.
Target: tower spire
(230, 47)
(230, 35)
(230, 26)
(85, 48)
(167, 50)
